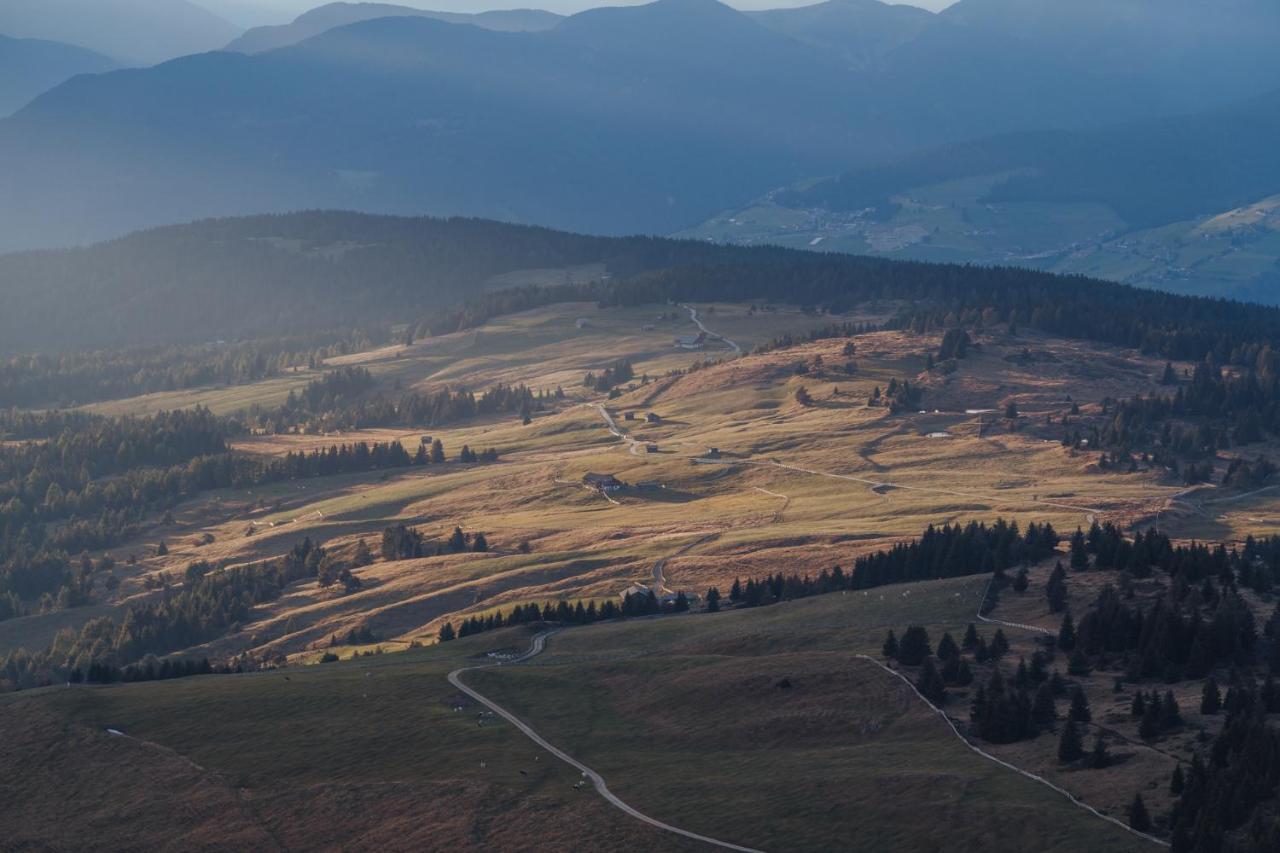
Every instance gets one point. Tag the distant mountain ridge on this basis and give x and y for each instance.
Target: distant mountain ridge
(629, 119)
(128, 31)
(31, 66)
(327, 17)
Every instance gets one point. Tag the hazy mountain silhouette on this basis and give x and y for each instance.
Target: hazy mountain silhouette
(644, 118)
(31, 66)
(324, 18)
(130, 31)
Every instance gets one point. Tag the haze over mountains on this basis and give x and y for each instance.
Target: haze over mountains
(130, 31)
(324, 18)
(615, 120)
(31, 66)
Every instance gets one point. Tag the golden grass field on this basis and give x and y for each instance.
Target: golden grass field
(796, 487)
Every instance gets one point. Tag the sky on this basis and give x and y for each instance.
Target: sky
(249, 13)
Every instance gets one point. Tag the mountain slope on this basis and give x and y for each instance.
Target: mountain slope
(31, 66)
(324, 18)
(860, 32)
(131, 31)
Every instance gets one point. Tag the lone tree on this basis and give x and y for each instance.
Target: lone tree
(1138, 817)
(803, 397)
(1070, 747)
(914, 647)
(890, 647)
(1067, 634)
(1021, 581)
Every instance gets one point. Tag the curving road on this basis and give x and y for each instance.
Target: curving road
(693, 315)
(536, 648)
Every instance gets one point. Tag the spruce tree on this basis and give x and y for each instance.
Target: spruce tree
(1021, 582)
(970, 641)
(1069, 746)
(1079, 554)
(1056, 589)
(1177, 782)
(1138, 817)
(947, 648)
(713, 600)
(1211, 698)
(446, 632)
(1099, 758)
(1067, 634)
(930, 684)
(890, 647)
(914, 646)
(1079, 712)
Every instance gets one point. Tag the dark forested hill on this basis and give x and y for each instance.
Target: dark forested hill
(276, 276)
(273, 276)
(617, 120)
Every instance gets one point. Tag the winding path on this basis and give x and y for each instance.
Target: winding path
(536, 648)
(1025, 773)
(693, 315)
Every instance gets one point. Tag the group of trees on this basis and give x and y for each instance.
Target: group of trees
(413, 409)
(619, 373)
(406, 543)
(201, 610)
(65, 379)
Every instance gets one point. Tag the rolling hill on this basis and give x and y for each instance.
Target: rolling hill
(324, 18)
(616, 120)
(31, 66)
(129, 31)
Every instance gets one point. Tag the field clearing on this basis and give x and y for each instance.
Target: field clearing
(684, 716)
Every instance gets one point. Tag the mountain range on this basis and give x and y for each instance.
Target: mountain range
(31, 66)
(633, 119)
(324, 18)
(131, 32)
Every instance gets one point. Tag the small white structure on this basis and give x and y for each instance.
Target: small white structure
(581, 323)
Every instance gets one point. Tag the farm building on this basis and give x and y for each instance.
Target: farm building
(652, 418)
(634, 589)
(603, 482)
(651, 448)
(691, 342)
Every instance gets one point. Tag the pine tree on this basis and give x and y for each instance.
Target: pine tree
(914, 646)
(1211, 698)
(1044, 710)
(999, 644)
(446, 632)
(479, 544)
(1138, 817)
(1021, 582)
(1067, 634)
(1069, 746)
(162, 549)
(890, 647)
(1099, 758)
(947, 648)
(1079, 554)
(1170, 716)
(1079, 712)
(1139, 705)
(1056, 589)
(457, 540)
(1078, 665)
(713, 600)
(930, 684)
(1177, 782)
(970, 641)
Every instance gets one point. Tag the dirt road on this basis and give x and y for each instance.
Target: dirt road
(536, 648)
